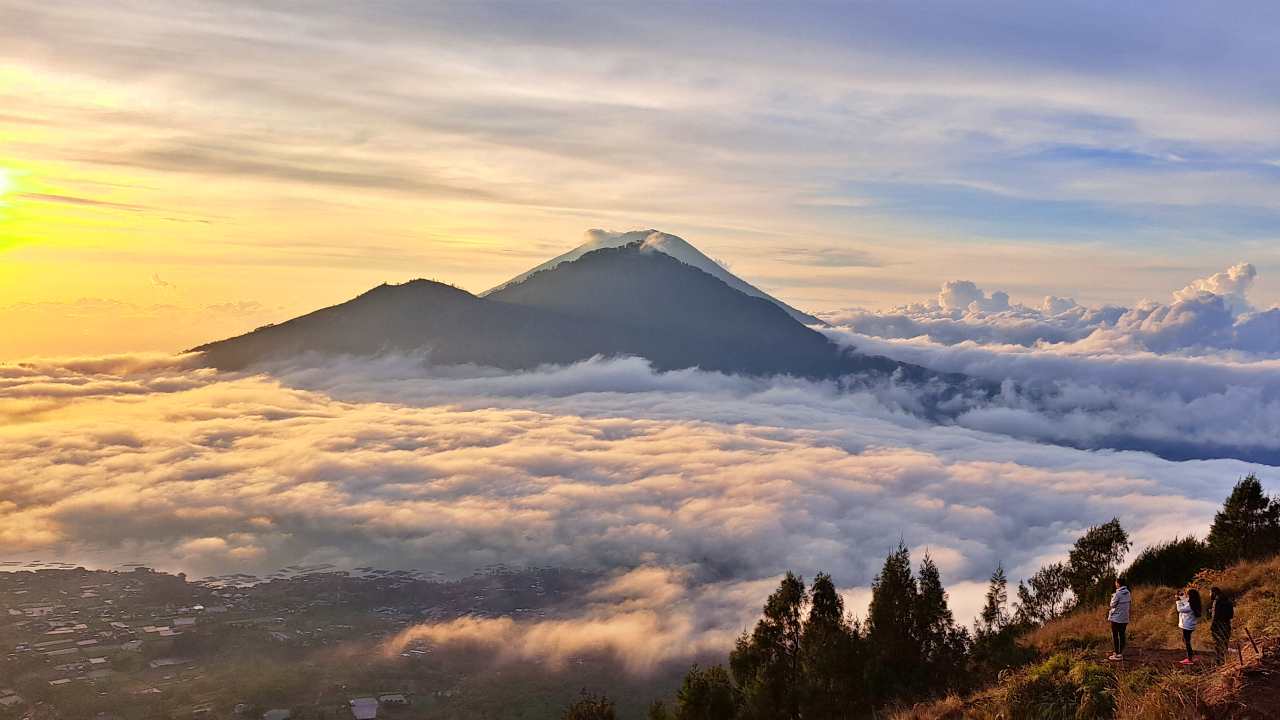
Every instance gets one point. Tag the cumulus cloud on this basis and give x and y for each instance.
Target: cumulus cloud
(1231, 285)
(690, 491)
(1209, 315)
(965, 295)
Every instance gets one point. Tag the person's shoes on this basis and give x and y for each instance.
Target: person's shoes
(1185, 661)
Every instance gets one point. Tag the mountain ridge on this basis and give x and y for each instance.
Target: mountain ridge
(623, 301)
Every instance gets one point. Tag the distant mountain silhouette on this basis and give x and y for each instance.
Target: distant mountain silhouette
(668, 244)
(630, 300)
(452, 325)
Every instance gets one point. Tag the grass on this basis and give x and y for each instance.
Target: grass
(1067, 681)
(1153, 623)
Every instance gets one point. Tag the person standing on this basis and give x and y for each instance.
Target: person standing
(1118, 615)
(1221, 611)
(1189, 608)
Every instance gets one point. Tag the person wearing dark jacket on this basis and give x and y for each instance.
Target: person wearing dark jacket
(1221, 611)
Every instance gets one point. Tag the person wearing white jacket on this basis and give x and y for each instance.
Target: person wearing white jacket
(1118, 615)
(1188, 607)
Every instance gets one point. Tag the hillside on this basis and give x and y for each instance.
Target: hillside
(1072, 678)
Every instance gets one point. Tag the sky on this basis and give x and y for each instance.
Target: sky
(179, 173)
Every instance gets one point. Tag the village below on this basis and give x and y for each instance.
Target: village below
(303, 643)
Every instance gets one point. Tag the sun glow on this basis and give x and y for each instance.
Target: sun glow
(7, 182)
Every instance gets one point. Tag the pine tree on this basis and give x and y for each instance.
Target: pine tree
(942, 644)
(1248, 526)
(830, 657)
(706, 694)
(995, 646)
(766, 664)
(994, 615)
(1092, 561)
(891, 629)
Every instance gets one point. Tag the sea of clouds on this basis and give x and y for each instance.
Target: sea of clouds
(1197, 376)
(689, 491)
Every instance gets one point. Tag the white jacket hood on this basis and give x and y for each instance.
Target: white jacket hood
(1119, 609)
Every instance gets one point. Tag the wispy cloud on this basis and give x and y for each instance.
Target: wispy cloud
(746, 131)
(73, 200)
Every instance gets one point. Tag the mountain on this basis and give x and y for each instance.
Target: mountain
(452, 325)
(665, 243)
(628, 300)
(677, 315)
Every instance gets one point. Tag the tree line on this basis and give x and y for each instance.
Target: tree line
(807, 657)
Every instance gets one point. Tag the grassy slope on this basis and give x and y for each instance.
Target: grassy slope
(1150, 685)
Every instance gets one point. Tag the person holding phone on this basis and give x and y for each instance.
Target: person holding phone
(1189, 608)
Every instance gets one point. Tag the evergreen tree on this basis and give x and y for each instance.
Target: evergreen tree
(995, 646)
(766, 664)
(1091, 564)
(706, 694)
(994, 615)
(942, 644)
(831, 659)
(895, 667)
(1248, 526)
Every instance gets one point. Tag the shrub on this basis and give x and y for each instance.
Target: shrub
(1094, 689)
(1148, 694)
(591, 707)
(1171, 563)
(1061, 689)
(951, 707)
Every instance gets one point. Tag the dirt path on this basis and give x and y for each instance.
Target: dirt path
(1251, 692)
(1162, 659)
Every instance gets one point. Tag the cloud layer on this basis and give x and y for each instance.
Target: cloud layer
(715, 484)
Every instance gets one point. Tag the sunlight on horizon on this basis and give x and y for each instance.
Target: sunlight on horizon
(135, 157)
